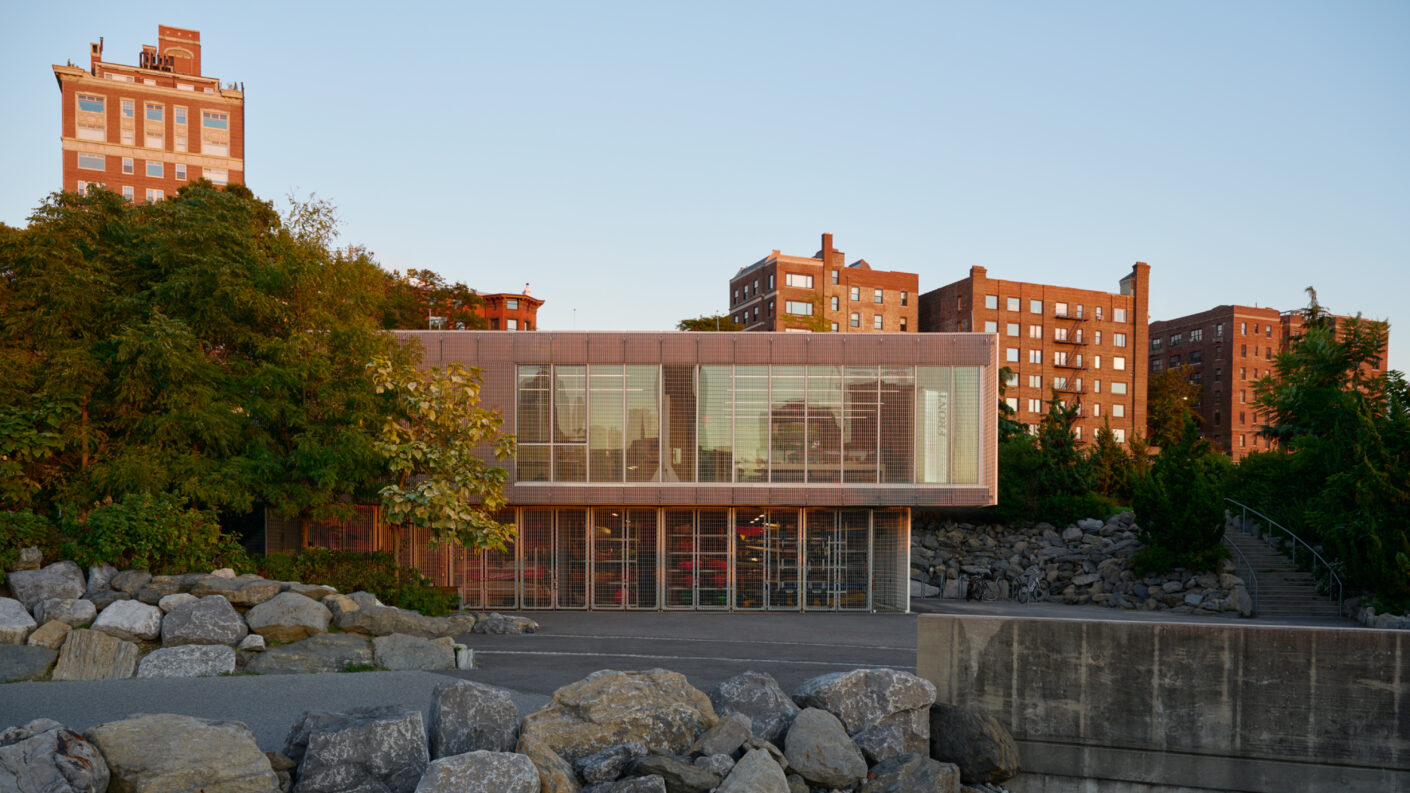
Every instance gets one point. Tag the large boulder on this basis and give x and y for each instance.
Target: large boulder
(15, 621)
(106, 597)
(400, 652)
(756, 772)
(878, 700)
(51, 634)
(209, 620)
(366, 616)
(368, 749)
(555, 774)
(58, 580)
(244, 591)
(480, 772)
(100, 577)
(131, 620)
(758, 696)
(288, 617)
(728, 734)
(818, 748)
(74, 612)
(679, 776)
(912, 773)
(313, 591)
(656, 707)
(329, 652)
(46, 756)
(974, 741)
(188, 660)
(93, 655)
(169, 753)
(608, 764)
(20, 662)
(496, 623)
(130, 581)
(170, 602)
(159, 587)
(29, 558)
(467, 716)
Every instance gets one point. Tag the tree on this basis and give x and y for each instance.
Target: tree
(1180, 505)
(1171, 398)
(1111, 467)
(431, 443)
(1009, 427)
(421, 299)
(712, 323)
(1064, 470)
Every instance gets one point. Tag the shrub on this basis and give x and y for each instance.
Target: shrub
(155, 533)
(1180, 505)
(350, 571)
(1060, 510)
(23, 529)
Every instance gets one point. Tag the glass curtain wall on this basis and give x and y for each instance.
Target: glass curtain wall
(716, 427)
(697, 558)
(570, 423)
(837, 553)
(553, 562)
(678, 423)
(625, 567)
(766, 558)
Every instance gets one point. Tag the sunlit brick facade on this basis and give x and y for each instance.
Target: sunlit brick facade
(510, 310)
(146, 130)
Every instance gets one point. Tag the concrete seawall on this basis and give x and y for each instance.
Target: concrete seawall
(1141, 707)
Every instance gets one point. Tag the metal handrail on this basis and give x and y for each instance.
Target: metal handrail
(1316, 557)
(1253, 574)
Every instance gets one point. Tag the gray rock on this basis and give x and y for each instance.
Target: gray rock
(58, 580)
(254, 643)
(378, 620)
(923, 590)
(224, 572)
(481, 772)
(15, 622)
(99, 578)
(94, 655)
(679, 777)
(1071, 534)
(51, 634)
(757, 696)
(358, 750)
(46, 756)
(635, 784)
(717, 764)
(73, 612)
(288, 617)
(244, 591)
(170, 602)
(817, 747)
(610, 763)
(974, 741)
(167, 752)
(208, 620)
(881, 741)
(1090, 524)
(188, 660)
(797, 784)
(866, 698)
(283, 769)
(104, 598)
(1193, 599)
(29, 558)
(500, 624)
(400, 652)
(130, 581)
(755, 772)
(130, 620)
(1241, 602)
(329, 652)
(159, 587)
(311, 591)
(467, 716)
(728, 734)
(20, 662)
(912, 773)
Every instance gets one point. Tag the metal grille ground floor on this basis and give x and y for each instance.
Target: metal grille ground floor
(623, 558)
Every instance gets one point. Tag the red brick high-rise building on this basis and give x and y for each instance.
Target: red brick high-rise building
(146, 130)
(511, 310)
(822, 292)
(1228, 349)
(1090, 346)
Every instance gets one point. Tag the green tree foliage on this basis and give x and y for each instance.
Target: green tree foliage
(431, 443)
(1171, 399)
(715, 322)
(1341, 470)
(1009, 427)
(202, 346)
(155, 533)
(1064, 469)
(1112, 469)
(421, 299)
(1047, 476)
(1180, 505)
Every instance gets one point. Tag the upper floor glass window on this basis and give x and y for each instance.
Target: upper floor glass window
(511, 303)
(798, 280)
(211, 120)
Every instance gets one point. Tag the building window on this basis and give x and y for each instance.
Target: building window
(1035, 306)
(92, 162)
(1196, 335)
(1011, 329)
(127, 108)
(181, 171)
(1097, 311)
(835, 276)
(903, 324)
(127, 165)
(1077, 432)
(746, 291)
(1269, 332)
(154, 112)
(211, 120)
(1096, 386)
(1059, 334)
(1012, 303)
(798, 307)
(1174, 361)
(836, 303)
(1176, 339)
(179, 114)
(1096, 362)
(771, 308)
(876, 295)
(1010, 353)
(90, 104)
(905, 298)
(990, 301)
(1060, 309)
(798, 280)
(1196, 356)
(834, 327)
(855, 320)
(1118, 339)
(771, 282)
(154, 169)
(1243, 396)
(856, 293)
(1096, 410)
(1118, 411)
(127, 192)
(1243, 351)
(511, 303)
(736, 297)
(1060, 383)
(1118, 315)
(756, 286)
(153, 196)
(1011, 379)
(1012, 402)
(218, 176)
(1035, 381)
(876, 322)
(1035, 331)
(511, 324)
(1155, 343)
(1035, 356)
(1118, 363)
(1120, 434)
(1060, 358)
(1035, 406)
(1241, 440)
(1118, 387)
(991, 326)
(756, 313)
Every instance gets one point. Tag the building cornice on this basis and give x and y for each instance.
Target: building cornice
(76, 74)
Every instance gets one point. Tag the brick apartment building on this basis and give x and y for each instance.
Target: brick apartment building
(1090, 346)
(1228, 349)
(822, 292)
(145, 130)
(511, 310)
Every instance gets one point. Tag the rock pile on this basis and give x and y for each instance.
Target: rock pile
(612, 732)
(1087, 562)
(63, 624)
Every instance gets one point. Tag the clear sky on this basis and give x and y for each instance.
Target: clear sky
(626, 158)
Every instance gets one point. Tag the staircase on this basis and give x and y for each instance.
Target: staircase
(1283, 589)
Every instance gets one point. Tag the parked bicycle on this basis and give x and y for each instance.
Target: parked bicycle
(1031, 585)
(982, 587)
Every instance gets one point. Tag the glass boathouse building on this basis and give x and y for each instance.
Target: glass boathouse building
(737, 471)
